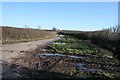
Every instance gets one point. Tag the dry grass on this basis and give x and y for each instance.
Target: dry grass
(13, 34)
(108, 38)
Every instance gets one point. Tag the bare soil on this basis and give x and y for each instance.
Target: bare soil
(10, 51)
(15, 57)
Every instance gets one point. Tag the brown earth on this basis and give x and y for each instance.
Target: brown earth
(15, 57)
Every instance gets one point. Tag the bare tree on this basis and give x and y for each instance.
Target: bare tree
(26, 26)
(39, 27)
(54, 29)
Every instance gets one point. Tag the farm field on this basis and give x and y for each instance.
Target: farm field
(60, 40)
(70, 57)
(65, 56)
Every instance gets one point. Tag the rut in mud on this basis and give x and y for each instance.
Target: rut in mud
(69, 58)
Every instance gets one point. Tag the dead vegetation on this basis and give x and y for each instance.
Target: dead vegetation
(13, 34)
(108, 38)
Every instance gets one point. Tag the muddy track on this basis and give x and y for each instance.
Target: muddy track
(46, 62)
(12, 50)
(17, 58)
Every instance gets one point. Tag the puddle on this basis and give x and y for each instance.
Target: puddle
(57, 43)
(75, 56)
(61, 36)
(95, 70)
(45, 55)
(48, 54)
(43, 49)
(82, 67)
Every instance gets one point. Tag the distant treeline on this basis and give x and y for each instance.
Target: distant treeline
(107, 38)
(13, 34)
